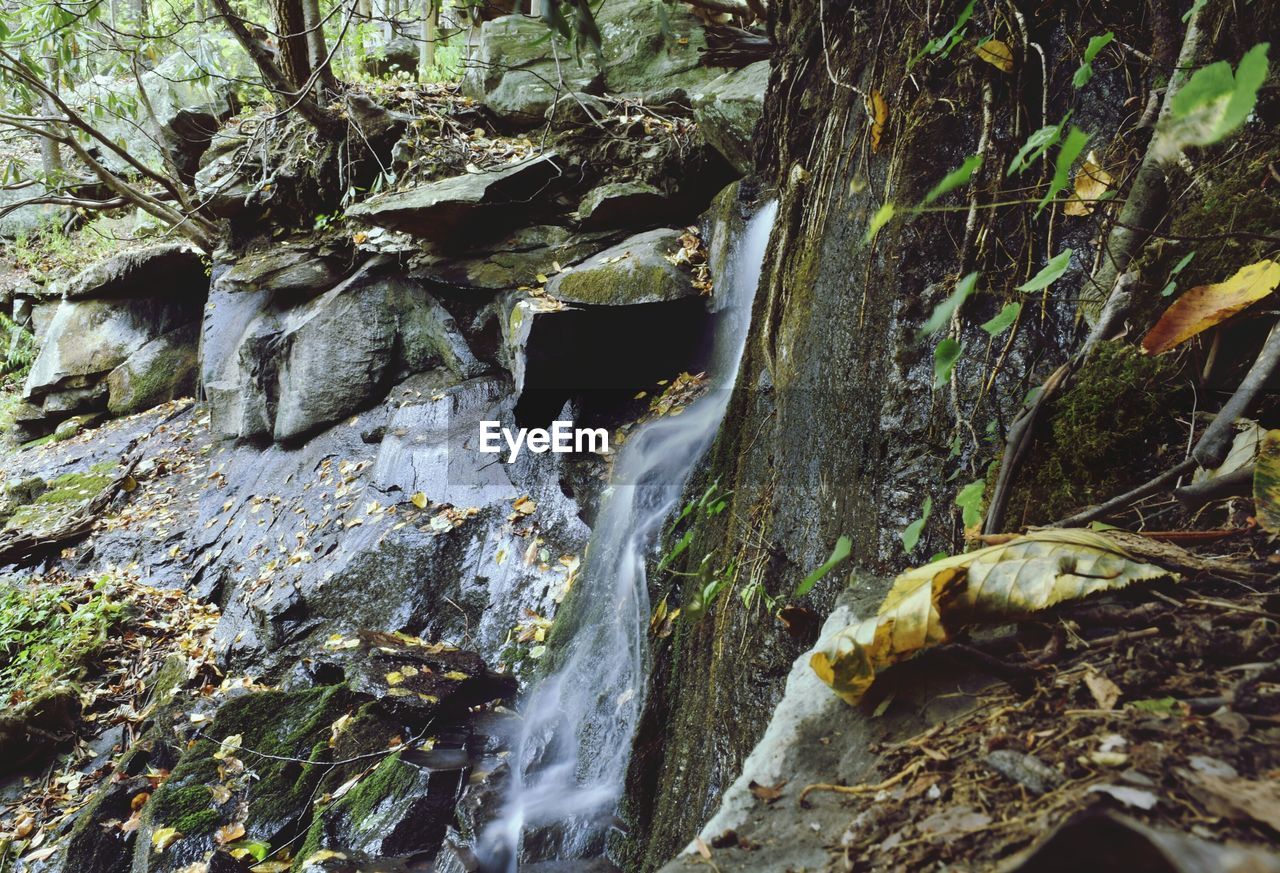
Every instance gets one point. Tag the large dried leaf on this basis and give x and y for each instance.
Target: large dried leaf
(878, 109)
(1266, 483)
(928, 604)
(1091, 185)
(1204, 306)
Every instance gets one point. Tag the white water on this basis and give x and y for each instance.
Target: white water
(570, 761)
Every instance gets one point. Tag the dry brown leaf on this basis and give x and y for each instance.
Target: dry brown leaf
(1204, 306)
(228, 833)
(997, 54)
(878, 110)
(1002, 582)
(1091, 183)
(1105, 692)
(767, 793)
(1239, 798)
(1266, 482)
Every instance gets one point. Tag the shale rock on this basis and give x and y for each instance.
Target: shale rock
(515, 74)
(637, 270)
(92, 337)
(727, 110)
(510, 261)
(166, 270)
(452, 209)
(622, 204)
(162, 370)
(290, 269)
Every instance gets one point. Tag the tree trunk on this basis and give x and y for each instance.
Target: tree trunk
(430, 33)
(50, 155)
(295, 51)
(317, 51)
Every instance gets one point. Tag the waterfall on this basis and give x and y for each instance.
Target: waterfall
(570, 759)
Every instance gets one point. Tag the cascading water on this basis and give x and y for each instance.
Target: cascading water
(570, 760)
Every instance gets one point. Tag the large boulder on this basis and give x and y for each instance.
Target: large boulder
(516, 74)
(651, 47)
(297, 269)
(286, 371)
(161, 370)
(622, 204)
(449, 210)
(640, 269)
(727, 110)
(90, 338)
(173, 269)
(510, 261)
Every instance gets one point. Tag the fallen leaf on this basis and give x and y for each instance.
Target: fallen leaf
(878, 109)
(1134, 797)
(998, 583)
(1266, 482)
(997, 54)
(524, 505)
(419, 500)
(228, 833)
(229, 745)
(1105, 692)
(1091, 183)
(767, 793)
(1205, 306)
(163, 838)
(1243, 798)
(703, 849)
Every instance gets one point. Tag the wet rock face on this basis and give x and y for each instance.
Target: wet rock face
(727, 110)
(638, 270)
(295, 369)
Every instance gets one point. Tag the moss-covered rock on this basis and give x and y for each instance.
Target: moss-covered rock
(161, 370)
(637, 270)
(1102, 436)
(64, 496)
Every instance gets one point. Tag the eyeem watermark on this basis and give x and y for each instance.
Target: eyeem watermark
(562, 438)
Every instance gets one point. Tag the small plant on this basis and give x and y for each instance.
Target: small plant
(50, 630)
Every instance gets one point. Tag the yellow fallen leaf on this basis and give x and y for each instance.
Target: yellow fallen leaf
(419, 500)
(228, 833)
(1204, 306)
(878, 109)
(525, 505)
(999, 583)
(997, 54)
(229, 745)
(1266, 483)
(1091, 183)
(395, 677)
(163, 838)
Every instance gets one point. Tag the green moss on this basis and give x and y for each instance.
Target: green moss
(172, 807)
(198, 824)
(390, 779)
(64, 493)
(1102, 436)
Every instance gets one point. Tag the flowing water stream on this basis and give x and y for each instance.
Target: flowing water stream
(570, 760)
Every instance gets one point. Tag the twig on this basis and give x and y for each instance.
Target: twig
(863, 789)
(1159, 483)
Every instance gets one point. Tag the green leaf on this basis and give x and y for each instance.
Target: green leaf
(944, 360)
(1173, 286)
(957, 177)
(1070, 149)
(1004, 318)
(943, 311)
(1036, 145)
(948, 40)
(911, 536)
(841, 551)
(1157, 705)
(1213, 103)
(1050, 273)
(882, 217)
(970, 501)
(1085, 71)
(677, 550)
